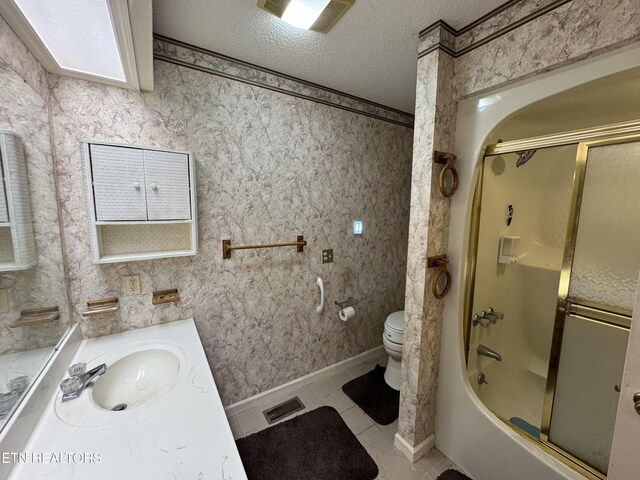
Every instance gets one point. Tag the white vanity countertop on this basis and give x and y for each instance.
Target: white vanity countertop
(182, 435)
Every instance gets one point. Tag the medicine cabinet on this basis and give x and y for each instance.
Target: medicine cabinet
(142, 202)
(17, 244)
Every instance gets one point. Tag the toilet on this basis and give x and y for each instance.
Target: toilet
(392, 340)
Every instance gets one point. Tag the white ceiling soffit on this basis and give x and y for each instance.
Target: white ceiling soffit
(371, 52)
(617, 100)
(106, 41)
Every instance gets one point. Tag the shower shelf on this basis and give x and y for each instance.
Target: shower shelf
(550, 268)
(537, 370)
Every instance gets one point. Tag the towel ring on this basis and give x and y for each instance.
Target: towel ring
(446, 159)
(441, 262)
(436, 282)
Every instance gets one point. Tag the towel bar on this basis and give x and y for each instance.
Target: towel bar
(227, 247)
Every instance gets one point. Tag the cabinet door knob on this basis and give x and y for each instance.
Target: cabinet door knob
(136, 185)
(154, 186)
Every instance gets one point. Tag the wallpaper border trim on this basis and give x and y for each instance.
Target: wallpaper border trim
(441, 35)
(190, 56)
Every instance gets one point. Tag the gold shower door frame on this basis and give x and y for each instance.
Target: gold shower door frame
(619, 133)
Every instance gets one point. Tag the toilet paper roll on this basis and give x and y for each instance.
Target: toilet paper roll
(347, 313)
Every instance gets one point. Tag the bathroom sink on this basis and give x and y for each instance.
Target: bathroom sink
(137, 379)
(140, 376)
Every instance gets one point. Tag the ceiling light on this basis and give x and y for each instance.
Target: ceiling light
(316, 15)
(79, 35)
(304, 13)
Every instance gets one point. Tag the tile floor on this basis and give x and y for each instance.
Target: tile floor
(377, 439)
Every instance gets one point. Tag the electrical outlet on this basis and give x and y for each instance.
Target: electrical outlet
(132, 285)
(327, 256)
(4, 301)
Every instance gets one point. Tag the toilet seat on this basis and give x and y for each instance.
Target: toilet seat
(394, 327)
(393, 346)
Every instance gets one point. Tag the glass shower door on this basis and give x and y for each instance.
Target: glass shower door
(604, 262)
(528, 206)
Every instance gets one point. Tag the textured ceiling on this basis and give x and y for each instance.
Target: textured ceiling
(371, 52)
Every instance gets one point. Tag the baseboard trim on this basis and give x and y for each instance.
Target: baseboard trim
(414, 453)
(247, 403)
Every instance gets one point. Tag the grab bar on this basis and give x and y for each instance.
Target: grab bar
(227, 247)
(320, 283)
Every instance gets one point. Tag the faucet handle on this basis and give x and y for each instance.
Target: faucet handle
(77, 369)
(71, 385)
(493, 316)
(19, 384)
(480, 319)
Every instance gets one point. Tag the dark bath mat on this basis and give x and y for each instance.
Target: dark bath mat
(372, 394)
(317, 445)
(452, 475)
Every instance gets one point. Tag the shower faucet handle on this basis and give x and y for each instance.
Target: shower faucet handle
(492, 315)
(480, 319)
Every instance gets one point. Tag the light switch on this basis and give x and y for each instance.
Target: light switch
(4, 301)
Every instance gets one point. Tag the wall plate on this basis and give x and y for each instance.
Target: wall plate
(132, 285)
(327, 256)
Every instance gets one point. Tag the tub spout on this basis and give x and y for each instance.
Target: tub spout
(487, 352)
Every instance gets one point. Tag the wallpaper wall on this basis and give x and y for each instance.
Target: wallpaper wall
(270, 166)
(21, 60)
(24, 92)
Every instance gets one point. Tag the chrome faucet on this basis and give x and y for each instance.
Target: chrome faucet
(487, 352)
(78, 380)
(480, 319)
(492, 315)
(16, 387)
(486, 317)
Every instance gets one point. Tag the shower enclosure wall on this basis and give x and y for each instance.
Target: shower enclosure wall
(550, 300)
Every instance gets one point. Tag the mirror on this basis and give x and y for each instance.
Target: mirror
(34, 308)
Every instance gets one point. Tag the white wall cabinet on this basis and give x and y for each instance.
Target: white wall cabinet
(118, 183)
(167, 185)
(4, 210)
(142, 202)
(17, 243)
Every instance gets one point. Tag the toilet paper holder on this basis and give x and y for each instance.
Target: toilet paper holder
(349, 302)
